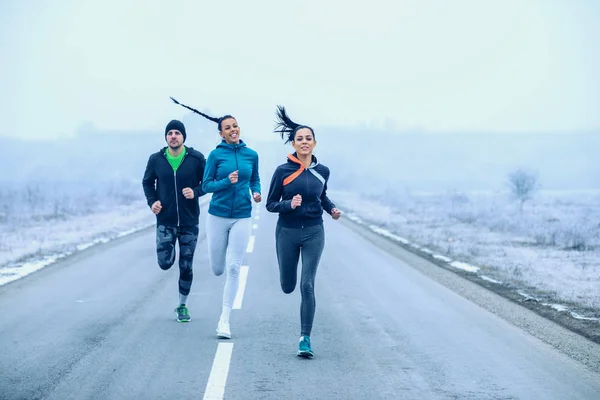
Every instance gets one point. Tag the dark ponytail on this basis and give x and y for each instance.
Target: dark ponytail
(213, 119)
(286, 127)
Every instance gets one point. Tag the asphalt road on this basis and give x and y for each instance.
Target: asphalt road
(100, 325)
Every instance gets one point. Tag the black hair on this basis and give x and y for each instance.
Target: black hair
(213, 119)
(286, 127)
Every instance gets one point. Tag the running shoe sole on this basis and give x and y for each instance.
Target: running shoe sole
(305, 354)
(222, 335)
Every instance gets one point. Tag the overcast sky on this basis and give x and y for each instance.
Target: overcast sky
(461, 65)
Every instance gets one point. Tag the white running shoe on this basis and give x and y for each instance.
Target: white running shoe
(223, 331)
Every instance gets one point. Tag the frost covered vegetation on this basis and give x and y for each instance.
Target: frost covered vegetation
(25, 203)
(554, 245)
(523, 208)
(38, 220)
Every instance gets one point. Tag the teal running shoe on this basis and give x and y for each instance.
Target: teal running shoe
(304, 349)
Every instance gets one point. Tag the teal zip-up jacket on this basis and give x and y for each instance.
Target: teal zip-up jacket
(231, 200)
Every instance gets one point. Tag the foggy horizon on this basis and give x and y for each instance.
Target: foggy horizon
(465, 67)
(445, 96)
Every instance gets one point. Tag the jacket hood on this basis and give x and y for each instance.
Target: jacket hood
(231, 146)
(313, 163)
(188, 151)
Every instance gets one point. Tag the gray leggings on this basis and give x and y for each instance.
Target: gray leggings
(227, 241)
(166, 238)
(291, 242)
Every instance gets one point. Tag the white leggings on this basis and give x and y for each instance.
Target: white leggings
(227, 241)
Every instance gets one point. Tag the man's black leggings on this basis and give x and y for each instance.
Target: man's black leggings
(166, 236)
(291, 242)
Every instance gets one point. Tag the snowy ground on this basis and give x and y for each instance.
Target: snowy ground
(34, 244)
(553, 246)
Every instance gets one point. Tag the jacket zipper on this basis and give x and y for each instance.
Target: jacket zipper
(307, 172)
(237, 168)
(176, 189)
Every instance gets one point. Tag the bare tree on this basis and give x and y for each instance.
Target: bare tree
(523, 185)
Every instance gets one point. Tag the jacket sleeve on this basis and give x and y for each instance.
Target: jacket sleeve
(274, 202)
(149, 183)
(209, 184)
(325, 202)
(255, 178)
(198, 192)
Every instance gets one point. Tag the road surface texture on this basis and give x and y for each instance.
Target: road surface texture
(100, 325)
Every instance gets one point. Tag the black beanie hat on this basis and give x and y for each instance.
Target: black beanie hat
(177, 125)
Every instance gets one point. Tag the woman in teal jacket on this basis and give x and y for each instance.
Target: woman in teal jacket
(230, 174)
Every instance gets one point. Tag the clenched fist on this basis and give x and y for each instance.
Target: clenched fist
(233, 177)
(188, 193)
(156, 207)
(256, 197)
(296, 201)
(335, 213)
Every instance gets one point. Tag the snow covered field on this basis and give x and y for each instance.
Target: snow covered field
(553, 246)
(27, 249)
(40, 223)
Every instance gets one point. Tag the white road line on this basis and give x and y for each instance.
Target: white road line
(255, 226)
(250, 247)
(257, 217)
(215, 387)
(239, 297)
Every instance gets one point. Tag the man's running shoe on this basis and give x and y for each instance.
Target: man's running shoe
(183, 314)
(304, 349)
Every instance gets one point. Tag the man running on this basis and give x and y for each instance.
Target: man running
(172, 185)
